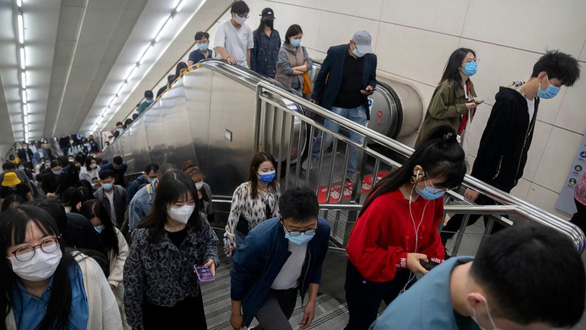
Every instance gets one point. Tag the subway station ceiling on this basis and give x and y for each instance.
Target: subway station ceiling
(73, 66)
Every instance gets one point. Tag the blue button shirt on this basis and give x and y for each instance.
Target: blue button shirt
(29, 310)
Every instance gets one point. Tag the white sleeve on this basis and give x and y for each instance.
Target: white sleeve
(220, 39)
(250, 37)
(104, 312)
(117, 265)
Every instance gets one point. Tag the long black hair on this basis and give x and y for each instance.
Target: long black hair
(13, 229)
(180, 66)
(293, 30)
(452, 70)
(172, 186)
(257, 159)
(80, 195)
(95, 209)
(439, 155)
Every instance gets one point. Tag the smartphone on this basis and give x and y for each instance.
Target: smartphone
(429, 265)
(478, 101)
(204, 274)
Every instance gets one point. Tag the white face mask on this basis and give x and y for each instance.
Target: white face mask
(92, 166)
(42, 266)
(239, 20)
(181, 214)
(199, 185)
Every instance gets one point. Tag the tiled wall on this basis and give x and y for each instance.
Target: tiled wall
(413, 40)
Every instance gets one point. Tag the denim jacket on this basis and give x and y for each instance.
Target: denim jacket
(263, 57)
(260, 259)
(162, 273)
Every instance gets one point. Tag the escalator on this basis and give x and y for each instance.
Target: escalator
(209, 116)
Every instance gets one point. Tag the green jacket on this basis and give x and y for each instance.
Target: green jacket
(446, 106)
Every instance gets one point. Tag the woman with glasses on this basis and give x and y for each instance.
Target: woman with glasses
(44, 286)
(453, 99)
(162, 289)
(396, 235)
(254, 201)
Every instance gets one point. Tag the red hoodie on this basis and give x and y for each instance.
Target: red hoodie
(384, 234)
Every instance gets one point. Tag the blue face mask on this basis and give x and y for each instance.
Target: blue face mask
(107, 186)
(99, 228)
(295, 42)
(56, 172)
(202, 47)
(300, 240)
(470, 68)
(149, 101)
(267, 177)
(357, 53)
(430, 193)
(549, 92)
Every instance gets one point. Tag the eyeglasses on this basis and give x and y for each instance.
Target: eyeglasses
(298, 233)
(27, 252)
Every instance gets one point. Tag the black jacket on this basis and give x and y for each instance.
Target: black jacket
(329, 79)
(119, 203)
(502, 153)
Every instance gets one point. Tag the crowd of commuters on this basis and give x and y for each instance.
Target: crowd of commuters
(87, 249)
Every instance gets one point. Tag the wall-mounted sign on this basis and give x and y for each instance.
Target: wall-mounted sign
(565, 202)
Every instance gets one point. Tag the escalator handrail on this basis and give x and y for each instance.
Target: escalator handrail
(497, 194)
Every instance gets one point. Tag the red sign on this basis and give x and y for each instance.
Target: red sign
(348, 186)
(379, 115)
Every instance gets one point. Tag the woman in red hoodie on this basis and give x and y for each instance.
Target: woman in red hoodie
(397, 226)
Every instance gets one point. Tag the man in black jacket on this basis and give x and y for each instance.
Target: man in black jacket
(346, 78)
(503, 148)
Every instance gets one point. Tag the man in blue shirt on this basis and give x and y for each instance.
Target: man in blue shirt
(141, 203)
(119, 167)
(524, 277)
(202, 41)
(280, 257)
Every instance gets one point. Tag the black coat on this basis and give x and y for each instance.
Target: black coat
(502, 153)
(332, 71)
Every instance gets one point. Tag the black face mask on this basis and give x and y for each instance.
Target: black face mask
(268, 22)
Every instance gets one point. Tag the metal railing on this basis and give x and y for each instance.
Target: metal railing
(377, 154)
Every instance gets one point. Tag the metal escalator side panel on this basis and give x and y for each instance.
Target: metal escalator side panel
(395, 108)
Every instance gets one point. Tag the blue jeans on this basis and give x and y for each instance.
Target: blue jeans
(357, 115)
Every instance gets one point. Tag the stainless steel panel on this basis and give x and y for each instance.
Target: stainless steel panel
(232, 108)
(155, 132)
(198, 91)
(412, 107)
(176, 127)
(139, 146)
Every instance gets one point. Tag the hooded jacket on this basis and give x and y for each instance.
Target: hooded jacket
(502, 153)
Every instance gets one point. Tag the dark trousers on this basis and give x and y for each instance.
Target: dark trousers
(277, 309)
(364, 297)
(186, 314)
(452, 227)
(579, 218)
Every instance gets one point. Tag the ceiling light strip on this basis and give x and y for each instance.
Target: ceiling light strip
(141, 60)
(22, 58)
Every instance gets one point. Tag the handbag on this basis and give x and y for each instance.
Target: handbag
(307, 83)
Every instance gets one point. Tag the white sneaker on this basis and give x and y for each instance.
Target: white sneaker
(314, 163)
